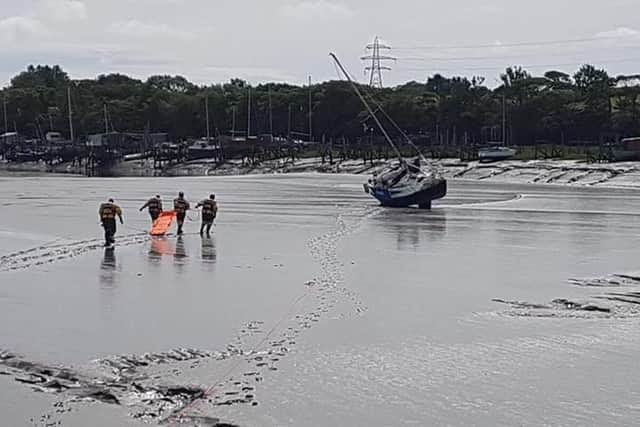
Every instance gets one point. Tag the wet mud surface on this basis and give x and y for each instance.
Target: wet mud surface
(312, 306)
(618, 297)
(150, 386)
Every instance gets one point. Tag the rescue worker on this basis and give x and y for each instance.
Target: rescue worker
(181, 206)
(108, 212)
(209, 212)
(155, 207)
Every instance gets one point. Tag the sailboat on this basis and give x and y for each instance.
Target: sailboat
(204, 148)
(400, 184)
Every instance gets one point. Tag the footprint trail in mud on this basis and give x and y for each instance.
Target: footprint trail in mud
(320, 297)
(47, 254)
(150, 385)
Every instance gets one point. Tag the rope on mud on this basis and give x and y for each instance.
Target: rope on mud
(174, 418)
(139, 230)
(209, 391)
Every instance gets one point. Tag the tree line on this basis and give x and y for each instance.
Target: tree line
(553, 108)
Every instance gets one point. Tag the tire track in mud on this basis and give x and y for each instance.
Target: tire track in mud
(155, 387)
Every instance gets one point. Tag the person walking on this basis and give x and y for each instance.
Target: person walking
(154, 205)
(181, 206)
(209, 213)
(108, 212)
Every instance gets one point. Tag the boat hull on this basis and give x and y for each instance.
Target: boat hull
(422, 198)
(496, 154)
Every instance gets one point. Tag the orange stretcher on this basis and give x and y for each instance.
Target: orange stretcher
(162, 224)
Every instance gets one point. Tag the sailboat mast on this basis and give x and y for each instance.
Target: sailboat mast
(270, 112)
(4, 104)
(504, 120)
(289, 124)
(249, 113)
(233, 122)
(106, 118)
(310, 128)
(70, 114)
(206, 108)
(368, 107)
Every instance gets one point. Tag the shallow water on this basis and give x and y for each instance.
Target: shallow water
(310, 305)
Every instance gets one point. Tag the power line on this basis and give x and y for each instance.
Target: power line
(515, 44)
(489, 57)
(568, 64)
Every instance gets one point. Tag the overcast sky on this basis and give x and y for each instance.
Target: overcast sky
(211, 41)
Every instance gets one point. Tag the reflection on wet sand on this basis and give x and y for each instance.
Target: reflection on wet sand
(162, 246)
(180, 253)
(414, 225)
(208, 250)
(159, 246)
(108, 267)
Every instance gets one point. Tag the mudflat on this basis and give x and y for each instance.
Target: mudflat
(507, 304)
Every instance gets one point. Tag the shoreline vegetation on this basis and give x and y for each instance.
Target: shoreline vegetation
(558, 172)
(587, 108)
(571, 121)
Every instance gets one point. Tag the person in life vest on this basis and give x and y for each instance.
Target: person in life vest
(209, 213)
(108, 212)
(154, 205)
(181, 206)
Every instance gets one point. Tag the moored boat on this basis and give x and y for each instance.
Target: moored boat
(495, 153)
(203, 149)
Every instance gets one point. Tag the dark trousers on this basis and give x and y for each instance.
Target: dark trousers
(154, 215)
(109, 230)
(180, 220)
(207, 221)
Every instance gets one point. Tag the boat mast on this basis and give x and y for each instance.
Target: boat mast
(106, 118)
(233, 122)
(310, 128)
(504, 120)
(249, 113)
(70, 113)
(368, 107)
(4, 103)
(270, 112)
(289, 124)
(206, 108)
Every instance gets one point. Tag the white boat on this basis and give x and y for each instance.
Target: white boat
(203, 149)
(495, 153)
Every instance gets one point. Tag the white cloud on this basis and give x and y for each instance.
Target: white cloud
(19, 28)
(316, 9)
(620, 32)
(62, 10)
(138, 29)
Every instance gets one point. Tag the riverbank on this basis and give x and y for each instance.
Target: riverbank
(25, 168)
(558, 172)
